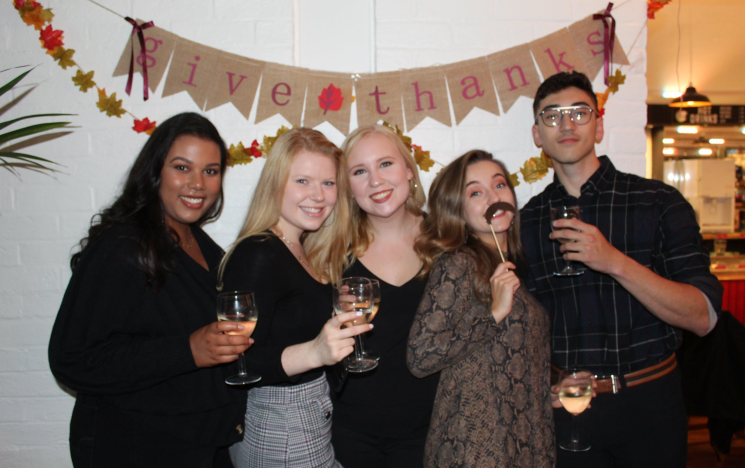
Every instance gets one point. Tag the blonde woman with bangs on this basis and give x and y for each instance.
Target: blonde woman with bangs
(293, 227)
(381, 417)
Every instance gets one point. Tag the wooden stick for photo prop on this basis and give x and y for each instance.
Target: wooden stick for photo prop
(490, 212)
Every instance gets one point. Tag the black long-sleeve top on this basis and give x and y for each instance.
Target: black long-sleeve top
(293, 307)
(118, 342)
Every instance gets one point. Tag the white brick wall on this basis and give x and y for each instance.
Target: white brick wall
(42, 217)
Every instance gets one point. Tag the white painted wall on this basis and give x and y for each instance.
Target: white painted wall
(42, 217)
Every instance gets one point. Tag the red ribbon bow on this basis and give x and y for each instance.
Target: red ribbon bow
(609, 39)
(137, 29)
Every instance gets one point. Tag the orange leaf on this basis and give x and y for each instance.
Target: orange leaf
(34, 18)
(144, 126)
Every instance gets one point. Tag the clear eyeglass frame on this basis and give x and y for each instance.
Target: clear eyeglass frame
(553, 116)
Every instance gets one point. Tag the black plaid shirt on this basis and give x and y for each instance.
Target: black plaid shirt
(596, 323)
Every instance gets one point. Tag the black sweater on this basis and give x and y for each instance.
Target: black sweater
(119, 343)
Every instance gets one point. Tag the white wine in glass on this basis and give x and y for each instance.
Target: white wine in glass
(575, 394)
(239, 307)
(356, 295)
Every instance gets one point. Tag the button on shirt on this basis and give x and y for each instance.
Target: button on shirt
(596, 323)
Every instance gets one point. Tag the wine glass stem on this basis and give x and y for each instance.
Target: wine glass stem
(241, 365)
(359, 349)
(575, 434)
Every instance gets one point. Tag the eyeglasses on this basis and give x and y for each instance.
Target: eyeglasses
(553, 116)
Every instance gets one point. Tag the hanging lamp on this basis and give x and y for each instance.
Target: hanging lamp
(691, 97)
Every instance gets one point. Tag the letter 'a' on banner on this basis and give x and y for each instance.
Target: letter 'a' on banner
(557, 53)
(470, 86)
(588, 37)
(329, 99)
(425, 95)
(159, 45)
(379, 98)
(514, 75)
(234, 79)
(282, 92)
(191, 70)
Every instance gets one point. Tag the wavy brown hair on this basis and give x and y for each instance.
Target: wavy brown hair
(445, 229)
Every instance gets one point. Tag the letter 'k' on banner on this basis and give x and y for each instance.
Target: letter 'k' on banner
(557, 53)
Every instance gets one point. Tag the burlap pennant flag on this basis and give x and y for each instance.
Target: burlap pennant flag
(514, 75)
(557, 53)
(378, 97)
(425, 95)
(282, 92)
(192, 70)
(235, 80)
(329, 99)
(588, 37)
(159, 45)
(470, 86)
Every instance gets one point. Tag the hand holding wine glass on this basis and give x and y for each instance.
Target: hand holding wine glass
(356, 294)
(565, 212)
(575, 393)
(239, 307)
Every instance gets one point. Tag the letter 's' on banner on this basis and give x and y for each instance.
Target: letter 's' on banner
(588, 39)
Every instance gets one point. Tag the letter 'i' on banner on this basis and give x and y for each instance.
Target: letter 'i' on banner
(282, 92)
(378, 97)
(557, 53)
(514, 75)
(329, 99)
(588, 37)
(191, 70)
(471, 86)
(159, 45)
(425, 95)
(235, 79)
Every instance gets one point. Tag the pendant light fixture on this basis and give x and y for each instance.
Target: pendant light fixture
(691, 97)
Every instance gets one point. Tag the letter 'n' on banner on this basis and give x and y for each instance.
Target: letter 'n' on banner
(378, 97)
(557, 53)
(329, 99)
(159, 45)
(191, 70)
(234, 79)
(588, 37)
(514, 75)
(282, 92)
(425, 95)
(471, 86)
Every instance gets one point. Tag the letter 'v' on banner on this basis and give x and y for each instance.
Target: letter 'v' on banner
(159, 45)
(514, 75)
(379, 98)
(191, 70)
(424, 93)
(235, 80)
(329, 99)
(470, 85)
(588, 37)
(557, 53)
(282, 92)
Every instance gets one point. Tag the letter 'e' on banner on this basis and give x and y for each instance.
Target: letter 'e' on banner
(159, 45)
(557, 53)
(425, 95)
(191, 70)
(588, 35)
(514, 75)
(329, 99)
(282, 92)
(234, 79)
(471, 86)
(379, 98)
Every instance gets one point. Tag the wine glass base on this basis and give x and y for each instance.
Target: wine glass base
(242, 379)
(566, 272)
(363, 365)
(374, 357)
(575, 446)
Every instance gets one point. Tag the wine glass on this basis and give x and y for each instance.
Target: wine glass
(575, 394)
(565, 212)
(376, 304)
(239, 307)
(356, 295)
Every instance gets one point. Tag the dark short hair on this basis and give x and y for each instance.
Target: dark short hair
(560, 82)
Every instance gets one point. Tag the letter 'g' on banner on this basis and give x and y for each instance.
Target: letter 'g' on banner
(159, 45)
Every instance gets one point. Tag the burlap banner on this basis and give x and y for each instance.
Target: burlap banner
(514, 74)
(470, 86)
(329, 99)
(556, 53)
(192, 70)
(282, 92)
(236, 79)
(379, 98)
(424, 93)
(588, 38)
(159, 45)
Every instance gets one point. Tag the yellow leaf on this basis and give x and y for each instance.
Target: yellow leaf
(536, 168)
(423, 160)
(269, 141)
(84, 81)
(615, 81)
(238, 155)
(109, 104)
(64, 57)
(515, 181)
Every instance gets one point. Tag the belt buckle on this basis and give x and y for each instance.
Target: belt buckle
(615, 382)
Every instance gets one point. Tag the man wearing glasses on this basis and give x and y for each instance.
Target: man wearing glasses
(645, 278)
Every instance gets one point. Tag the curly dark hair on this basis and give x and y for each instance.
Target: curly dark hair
(560, 82)
(139, 206)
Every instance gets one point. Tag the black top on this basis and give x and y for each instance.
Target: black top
(389, 400)
(293, 307)
(596, 323)
(119, 343)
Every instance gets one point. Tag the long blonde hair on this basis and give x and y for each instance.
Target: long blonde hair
(266, 206)
(358, 226)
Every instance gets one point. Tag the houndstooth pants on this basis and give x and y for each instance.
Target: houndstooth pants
(287, 427)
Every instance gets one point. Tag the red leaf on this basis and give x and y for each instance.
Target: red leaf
(330, 99)
(51, 38)
(144, 126)
(254, 149)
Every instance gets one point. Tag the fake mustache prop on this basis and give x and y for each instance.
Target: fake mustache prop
(494, 209)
